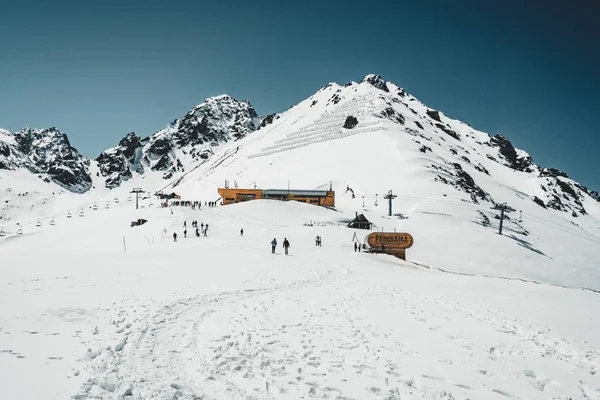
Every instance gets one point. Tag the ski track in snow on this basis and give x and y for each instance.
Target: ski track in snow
(325, 337)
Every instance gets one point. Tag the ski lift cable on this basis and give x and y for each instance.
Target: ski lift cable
(565, 231)
(559, 226)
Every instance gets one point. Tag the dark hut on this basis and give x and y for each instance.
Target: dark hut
(360, 222)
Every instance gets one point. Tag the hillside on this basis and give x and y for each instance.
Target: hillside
(94, 308)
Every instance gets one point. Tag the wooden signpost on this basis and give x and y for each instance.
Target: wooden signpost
(390, 243)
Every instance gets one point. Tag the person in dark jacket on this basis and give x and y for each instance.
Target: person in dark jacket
(355, 246)
(286, 245)
(242, 232)
(185, 233)
(273, 245)
(174, 236)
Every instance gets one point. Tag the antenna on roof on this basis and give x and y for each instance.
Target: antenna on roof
(330, 186)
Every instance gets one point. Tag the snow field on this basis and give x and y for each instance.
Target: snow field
(221, 317)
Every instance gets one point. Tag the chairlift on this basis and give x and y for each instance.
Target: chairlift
(375, 200)
(69, 214)
(20, 230)
(129, 198)
(107, 205)
(81, 213)
(95, 207)
(2, 233)
(117, 200)
(38, 223)
(52, 221)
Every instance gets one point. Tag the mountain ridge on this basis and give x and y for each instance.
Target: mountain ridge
(195, 137)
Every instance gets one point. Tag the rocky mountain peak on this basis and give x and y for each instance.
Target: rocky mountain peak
(376, 81)
(48, 153)
(185, 141)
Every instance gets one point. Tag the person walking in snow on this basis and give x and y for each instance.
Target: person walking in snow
(202, 225)
(317, 241)
(273, 245)
(174, 236)
(184, 224)
(355, 246)
(242, 232)
(286, 245)
(197, 233)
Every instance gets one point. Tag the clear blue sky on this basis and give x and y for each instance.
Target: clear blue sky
(97, 70)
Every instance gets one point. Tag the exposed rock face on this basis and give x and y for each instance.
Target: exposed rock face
(515, 161)
(48, 153)
(116, 164)
(448, 131)
(552, 172)
(217, 120)
(376, 81)
(350, 122)
(268, 120)
(433, 115)
(393, 115)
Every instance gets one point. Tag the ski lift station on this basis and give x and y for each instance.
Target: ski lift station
(325, 198)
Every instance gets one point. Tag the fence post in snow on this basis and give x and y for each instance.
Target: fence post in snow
(124, 249)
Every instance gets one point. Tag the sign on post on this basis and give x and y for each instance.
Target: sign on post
(394, 243)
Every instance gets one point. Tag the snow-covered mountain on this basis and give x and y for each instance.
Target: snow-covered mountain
(183, 143)
(460, 153)
(103, 309)
(48, 154)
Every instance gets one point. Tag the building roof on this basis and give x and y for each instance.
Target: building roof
(285, 192)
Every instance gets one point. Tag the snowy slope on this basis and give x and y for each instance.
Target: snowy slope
(447, 180)
(101, 310)
(219, 317)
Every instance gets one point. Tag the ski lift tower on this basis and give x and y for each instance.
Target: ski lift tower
(137, 192)
(389, 196)
(503, 208)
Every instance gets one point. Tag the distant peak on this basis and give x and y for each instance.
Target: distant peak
(376, 81)
(219, 97)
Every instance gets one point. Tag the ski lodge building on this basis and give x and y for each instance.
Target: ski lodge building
(325, 198)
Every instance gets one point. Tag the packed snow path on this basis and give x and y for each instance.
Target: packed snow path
(222, 318)
(338, 334)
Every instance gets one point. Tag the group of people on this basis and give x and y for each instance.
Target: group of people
(210, 203)
(318, 241)
(202, 229)
(286, 245)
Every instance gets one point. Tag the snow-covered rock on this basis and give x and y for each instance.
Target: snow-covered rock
(47, 153)
(183, 143)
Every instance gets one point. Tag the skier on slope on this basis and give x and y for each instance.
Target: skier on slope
(242, 232)
(185, 233)
(174, 236)
(273, 245)
(286, 245)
